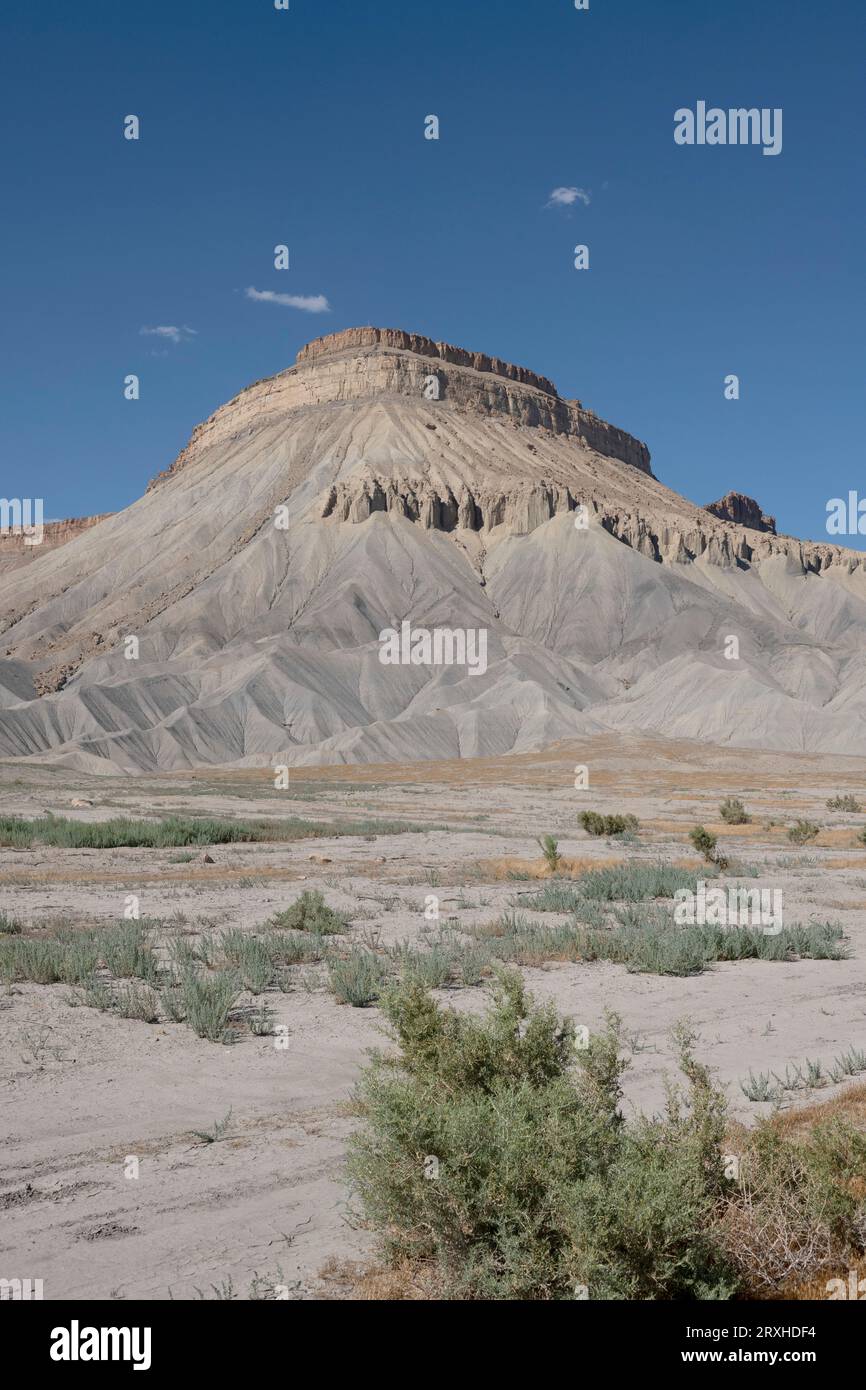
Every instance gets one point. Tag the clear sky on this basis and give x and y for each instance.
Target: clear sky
(306, 127)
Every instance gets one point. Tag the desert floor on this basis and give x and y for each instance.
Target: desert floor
(266, 1207)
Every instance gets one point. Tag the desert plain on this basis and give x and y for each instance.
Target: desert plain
(238, 1187)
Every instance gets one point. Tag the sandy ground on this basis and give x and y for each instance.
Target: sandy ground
(83, 1091)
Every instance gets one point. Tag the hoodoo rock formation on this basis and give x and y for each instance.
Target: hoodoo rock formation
(387, 479)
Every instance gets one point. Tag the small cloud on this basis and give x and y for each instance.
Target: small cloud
(175, 335)
(565, 197)
(310, 303)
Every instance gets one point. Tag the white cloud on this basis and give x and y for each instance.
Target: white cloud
(310, 303)
(564, 197)
(176, 335)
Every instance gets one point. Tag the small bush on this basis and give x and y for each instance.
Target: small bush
(97, 994)
(250, 957)
(636, 882)
(550, 850)
(171, 997)
(311, 914)
(595, 824)
(473, 963)
(844, 803)
(208, 1001)
(127, 952)
(15, 833)
(483, 1154)
(357, 978)
(430, 967)
(8, 926)
(294, 948)
(706, 844)
(733, 812)
(802, 831)
(137, 1001)
(49, 961)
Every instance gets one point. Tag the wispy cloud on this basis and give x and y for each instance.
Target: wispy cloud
(310, 303)
(175, 335)
(565, 197)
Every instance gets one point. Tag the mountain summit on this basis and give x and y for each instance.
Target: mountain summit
(387, 487)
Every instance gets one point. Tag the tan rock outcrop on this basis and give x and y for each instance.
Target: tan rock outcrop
(743, 511)
(16, 550)
(364, 364)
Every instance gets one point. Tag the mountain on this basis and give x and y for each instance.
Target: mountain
(387, 479)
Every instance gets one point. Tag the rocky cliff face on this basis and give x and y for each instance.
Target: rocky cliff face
(743, 511)
(15, 551)
(366, 364)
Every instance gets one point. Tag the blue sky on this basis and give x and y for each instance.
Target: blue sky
(307, 127)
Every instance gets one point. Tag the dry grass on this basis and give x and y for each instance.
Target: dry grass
(791, 1252)
(508, 867)
(348, 1279)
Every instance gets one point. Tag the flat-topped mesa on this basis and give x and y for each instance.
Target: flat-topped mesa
(523, 396)
(362, 365)
(352, 338)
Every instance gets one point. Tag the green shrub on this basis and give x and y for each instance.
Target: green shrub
(483, 1152)
(208, 1001)
(137, 1000)
(8, 926)
(550, 850)
(97, 994)
(127, 952)
(802, 831)
(311, 913)
(844, 803)
(706, 844)
(430, 967)
(473, 963)
(171, 997)
(647, 941)
(595, 824)
(15, 832)
(49, 961)
(357, 978)
(177, 831)
(553, 897)
(250, 957)
(636, 882)
(733, 812)
(521, 941)
(294, 948)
